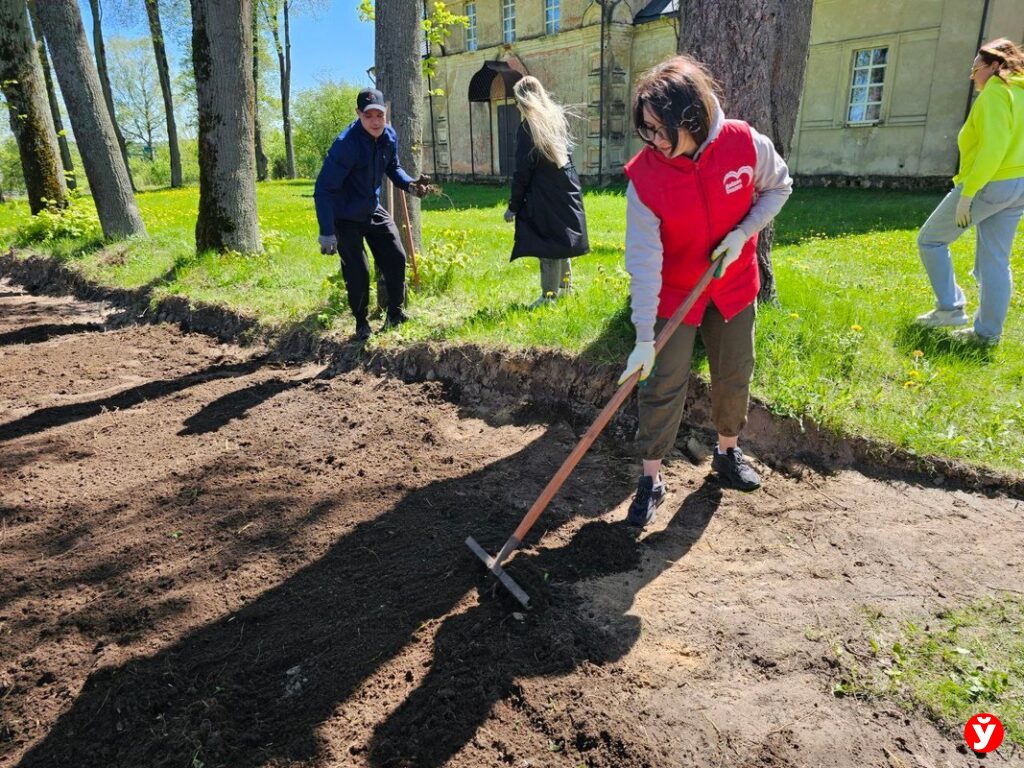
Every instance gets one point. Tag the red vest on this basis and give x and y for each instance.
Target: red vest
(699, 203)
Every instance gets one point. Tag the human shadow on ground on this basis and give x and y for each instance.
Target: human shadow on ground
(480, 655)
(255, 687)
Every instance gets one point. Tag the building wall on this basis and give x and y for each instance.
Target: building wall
(930, 44)
(568, 63)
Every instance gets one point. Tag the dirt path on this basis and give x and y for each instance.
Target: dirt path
(209, 561)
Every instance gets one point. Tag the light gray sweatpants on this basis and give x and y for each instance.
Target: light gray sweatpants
(555, 277)
(996, 210)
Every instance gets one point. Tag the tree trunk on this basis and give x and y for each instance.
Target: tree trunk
(156, 32)
(261, 156)
(222, 59)
(397, 54)
(286, 95)
(104, 165)
(757, 51)
(51, 96)
(101, 70)
(21, 78)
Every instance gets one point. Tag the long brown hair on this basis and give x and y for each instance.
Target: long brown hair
(681, 92)
(1006, 54)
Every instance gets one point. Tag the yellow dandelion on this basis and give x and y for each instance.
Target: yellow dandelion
(917, 353)
(909, 383)
(913, 374)
(856, 328)
(794, 315)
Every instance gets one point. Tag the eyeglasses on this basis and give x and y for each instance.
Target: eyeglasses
(648, 133)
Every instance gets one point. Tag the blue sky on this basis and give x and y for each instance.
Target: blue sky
(332, 45)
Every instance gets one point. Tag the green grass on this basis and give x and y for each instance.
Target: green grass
(952, 665)
(840, 350)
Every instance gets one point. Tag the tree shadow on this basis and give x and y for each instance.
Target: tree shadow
(254, 687)
(236, 405)
(36, 334)
(60, 415)
(479, 654)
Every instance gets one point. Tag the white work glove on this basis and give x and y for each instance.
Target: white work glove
(731, 245)
(328, 244)
(509, 216)
(640, 359)
(963, 211)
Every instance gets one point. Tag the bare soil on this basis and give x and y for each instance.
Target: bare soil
(207, 559)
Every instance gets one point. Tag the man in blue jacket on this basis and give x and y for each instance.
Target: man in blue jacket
(348, 209)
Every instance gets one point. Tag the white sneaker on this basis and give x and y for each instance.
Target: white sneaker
(940, 318)
(970, 336)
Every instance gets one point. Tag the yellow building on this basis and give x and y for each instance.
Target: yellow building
(886, 87)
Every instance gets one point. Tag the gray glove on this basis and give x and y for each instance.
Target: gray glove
(509, 216)
(328, 244)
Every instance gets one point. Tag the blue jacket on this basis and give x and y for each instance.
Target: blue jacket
(348, 186)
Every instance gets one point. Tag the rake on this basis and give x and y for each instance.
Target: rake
(494, 564)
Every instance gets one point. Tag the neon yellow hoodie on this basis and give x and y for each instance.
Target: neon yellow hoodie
(992, 140)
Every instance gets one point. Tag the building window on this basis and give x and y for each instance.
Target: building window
(471, 27)
(508, 21)
(552, 17)
(866, 86)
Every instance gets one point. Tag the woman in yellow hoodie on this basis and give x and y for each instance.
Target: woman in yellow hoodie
(988, 192)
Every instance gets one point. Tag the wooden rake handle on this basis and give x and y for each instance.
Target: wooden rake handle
(408, 237)
(556, 482)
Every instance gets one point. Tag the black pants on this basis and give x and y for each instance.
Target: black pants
(381, 235)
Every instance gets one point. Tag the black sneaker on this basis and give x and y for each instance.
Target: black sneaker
(395, 318)
(649, 496)
(733, 470)
(363, 330)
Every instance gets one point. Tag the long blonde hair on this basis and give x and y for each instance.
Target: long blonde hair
(547, 119)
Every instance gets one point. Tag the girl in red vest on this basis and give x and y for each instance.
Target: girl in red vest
(703, 186)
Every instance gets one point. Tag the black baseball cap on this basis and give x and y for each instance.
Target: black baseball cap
(370, 98)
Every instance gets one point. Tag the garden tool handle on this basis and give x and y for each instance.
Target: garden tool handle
(408, 236)
(556, 482)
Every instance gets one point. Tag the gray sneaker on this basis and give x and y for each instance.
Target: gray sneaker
(649, 495)
(734, 471)
(942, 318)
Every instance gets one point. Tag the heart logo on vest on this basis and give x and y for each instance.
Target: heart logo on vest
(733, 180)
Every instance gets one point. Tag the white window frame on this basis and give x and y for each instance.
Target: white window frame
(552, 17)
(508, 21)
(867, 85)
(471, 42)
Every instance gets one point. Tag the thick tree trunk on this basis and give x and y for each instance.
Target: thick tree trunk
(101, 69)
(104, 165)
(400, 78)
(51, 96)
(261, 156)
(156, 32)
(222, 59)
(757, 51)
(21, 78)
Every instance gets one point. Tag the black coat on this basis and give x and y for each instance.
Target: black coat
(548, 203)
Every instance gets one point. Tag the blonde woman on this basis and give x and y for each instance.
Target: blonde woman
(989, 194)
(546, 202)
